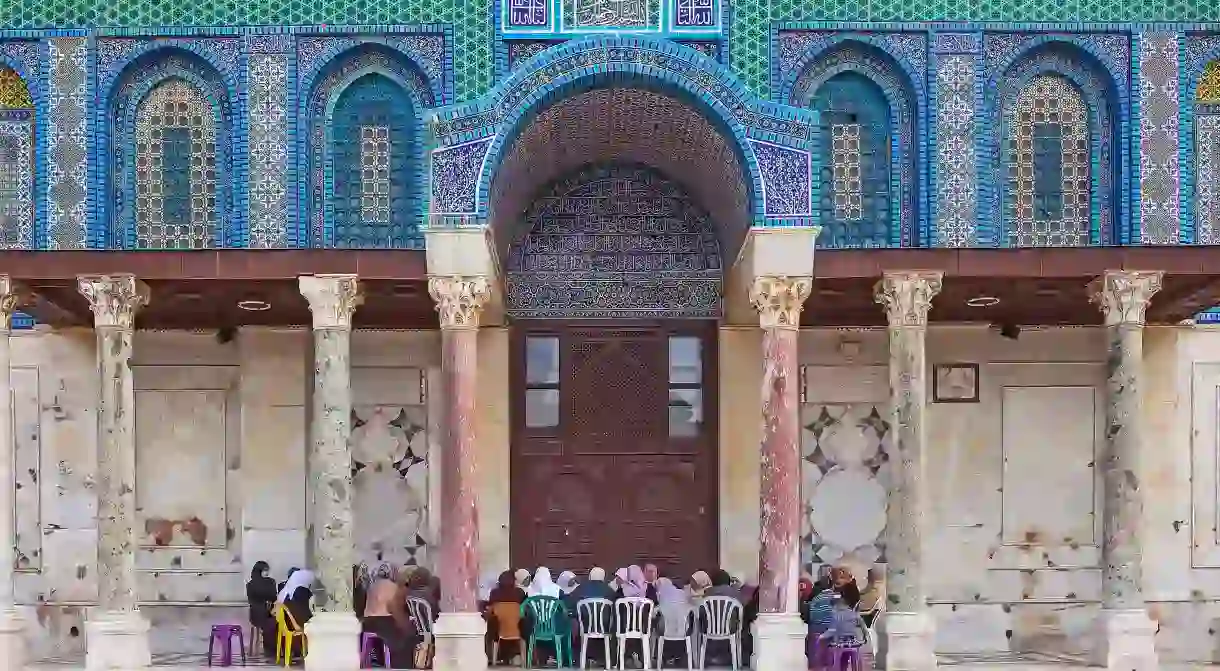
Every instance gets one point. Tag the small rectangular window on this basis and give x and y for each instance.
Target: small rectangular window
(176, 174)
(541, 382)
(1048, 171)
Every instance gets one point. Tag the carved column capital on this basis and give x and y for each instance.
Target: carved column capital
(907, 295)
(114, 299)
(1124, 295)
(333, 299)
(12, 294)
(779, 299)
(459, 299)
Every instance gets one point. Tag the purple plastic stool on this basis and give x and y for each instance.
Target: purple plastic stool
(817, 651)
(367, 641)
(225, 633)
(842, 655)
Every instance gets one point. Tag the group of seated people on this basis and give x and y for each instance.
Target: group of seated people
(833, 605)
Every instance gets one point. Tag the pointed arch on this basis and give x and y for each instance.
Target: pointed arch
(365, 151)
(868, 111)
(16, 161)
(1207, 155)
(171, 155)
(1054, 165)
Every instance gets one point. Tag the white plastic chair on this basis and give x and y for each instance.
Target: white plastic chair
(676, 625)
(421, 612)
(594, 618)
(870, 632)
(633, 621)
(721, 617)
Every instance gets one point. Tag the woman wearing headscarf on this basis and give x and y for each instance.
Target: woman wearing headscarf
(722, 585)
(595, 587)
(296, 594)
(420, 586)
(675, 606)
(506, 590)
(522, 576)
(260, 594)
(566, 582)
(385, 615)
(631, 582)
(700, 581)
(542, 584)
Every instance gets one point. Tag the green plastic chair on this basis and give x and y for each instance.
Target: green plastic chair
(551, 622)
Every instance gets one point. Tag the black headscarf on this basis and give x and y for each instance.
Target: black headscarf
(260, 568)
(721, 578)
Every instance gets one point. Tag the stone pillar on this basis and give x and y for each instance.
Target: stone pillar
(779, 632)
(460, 629)
(12, 626)
(1125, 632)
(116, 633)
(908, 633)
(334, 631)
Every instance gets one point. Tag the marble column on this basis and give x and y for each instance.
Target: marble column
(116, 634)
(334, 631)
(12, 626)
(1125, 632)
(459, 631)
(778, 629)
(908, 631)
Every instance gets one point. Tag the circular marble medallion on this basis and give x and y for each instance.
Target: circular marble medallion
(848, 509)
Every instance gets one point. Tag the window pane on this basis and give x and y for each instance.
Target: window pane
(685, 412)
(541, 361)
(685, 362)
(541, 408)
(1048, 171)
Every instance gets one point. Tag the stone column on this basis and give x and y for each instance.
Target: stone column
(460, 629)
(116, 633)
(908, 631)
(12, 626)
(334, 631)
(1125, 632)
(779, 632)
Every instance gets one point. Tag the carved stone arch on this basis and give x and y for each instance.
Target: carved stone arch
(615, 241)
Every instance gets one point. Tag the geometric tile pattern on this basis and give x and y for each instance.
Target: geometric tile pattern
(16, 179)
(844, 480)
(786, 179)
(267, 99)
(1207, 179)
(1158, 149)
(390, 481)
(956, 183)
(68, 167)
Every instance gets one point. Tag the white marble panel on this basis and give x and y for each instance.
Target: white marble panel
(27, 468)
(1205, 471)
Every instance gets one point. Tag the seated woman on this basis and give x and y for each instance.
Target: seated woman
(385, 615)
(722, 585)
(505, 593)
(295, 598)
(260, 594)
(422, 586)
(846, 627)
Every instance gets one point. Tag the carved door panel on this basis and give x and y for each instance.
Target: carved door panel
(606, 468)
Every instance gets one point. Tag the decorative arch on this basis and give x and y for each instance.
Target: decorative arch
(169, 143)
(364, 151)
(1028, 203)
(868, 107)
(1206, 105)
(17, 230)
(615, 241)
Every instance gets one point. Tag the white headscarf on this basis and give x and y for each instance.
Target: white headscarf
(597, 573)
(542, 584)
(566, 582)
(522, 577)
(301, 578)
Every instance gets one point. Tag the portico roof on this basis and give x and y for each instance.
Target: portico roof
(202, 289)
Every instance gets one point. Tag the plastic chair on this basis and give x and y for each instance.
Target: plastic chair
(256, 638)
(550, 623)
(676, 626)
(594, 617)
(225, 634)
(633, 621)
(721, 616)
(841, 655)
(508, 628)
(287, 633)
(367, 642)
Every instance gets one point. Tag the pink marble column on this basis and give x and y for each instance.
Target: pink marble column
(459, 633)
(779, 300)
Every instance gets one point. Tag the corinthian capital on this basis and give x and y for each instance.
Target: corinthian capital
(779, 299)
(114, 299)
(459, 299)
(333, 299)
(11, 294)
(907, 295)
(1123, 295)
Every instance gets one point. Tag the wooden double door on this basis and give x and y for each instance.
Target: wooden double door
(614, 445)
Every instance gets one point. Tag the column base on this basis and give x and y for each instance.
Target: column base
(459, 642)
(12, 639)
(1126, 640)
(906, 642)
(334, 642)
(779, 643)
(116, 641)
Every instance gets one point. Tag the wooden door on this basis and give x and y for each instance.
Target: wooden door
(613, 458)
